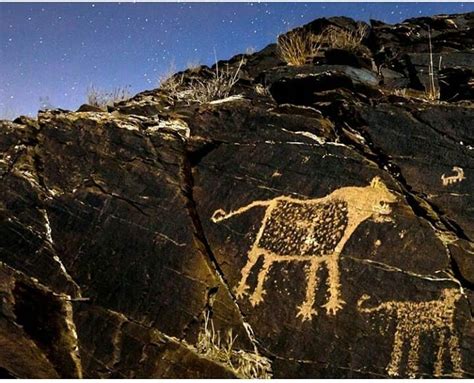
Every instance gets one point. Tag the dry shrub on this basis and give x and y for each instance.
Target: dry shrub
(102, 98)
(171, 84)
(432, 92)
(297, 47)
(401, 92)
(342, 38)
(7, 112)
(169, 81)
(217, 87)
(244, 364)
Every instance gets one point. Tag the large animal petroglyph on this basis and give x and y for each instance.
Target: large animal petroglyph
(313, 231)
(458, 177)
(415, 320)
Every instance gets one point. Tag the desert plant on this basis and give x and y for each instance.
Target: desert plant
(402, 92)
(341, 38)
(102, 98)
(172, 83)
(168, 80)
(244, 364)
(7, 112)
(193, 65)
(432, 92)
(218, 86)
(45, 103)
(296, 47)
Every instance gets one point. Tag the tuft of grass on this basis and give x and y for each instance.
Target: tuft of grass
(432, 92)
(342, 38)
(217, 87)
(401, 92)
(171, 84)
(297, 47)
(300, 46)
(7, 112)
(246, 365)
(103, 98)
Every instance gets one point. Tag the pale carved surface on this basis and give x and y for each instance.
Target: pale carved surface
(414, 322)
(312, 231)
(457, 177)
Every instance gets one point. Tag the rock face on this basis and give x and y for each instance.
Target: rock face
(318, 223)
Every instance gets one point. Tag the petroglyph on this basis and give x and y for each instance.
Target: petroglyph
(458, 177)
(313, 231)
(415, 320)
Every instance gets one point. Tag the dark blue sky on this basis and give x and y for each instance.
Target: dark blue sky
(57, 50)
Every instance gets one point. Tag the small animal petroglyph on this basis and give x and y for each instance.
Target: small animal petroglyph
(313, 231)
(458, 177)
(415, 320)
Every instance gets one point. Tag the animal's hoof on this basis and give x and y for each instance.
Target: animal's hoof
(392, 371)
(306, 312)
(256, 299)
(332, 307)
(241, 291)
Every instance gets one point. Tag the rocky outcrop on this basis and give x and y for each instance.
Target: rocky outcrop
(316, 223)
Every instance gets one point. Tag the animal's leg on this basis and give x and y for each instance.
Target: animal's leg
(306, 310)
(335, 301)
(253, 256)
(397, 353)
(257, 296)
(438, 366)
(414, 356)
(455, 355)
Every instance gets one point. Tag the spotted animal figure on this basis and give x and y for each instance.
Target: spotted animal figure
(433, 318)
(313, 231)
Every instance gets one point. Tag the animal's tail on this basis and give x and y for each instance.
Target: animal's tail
(220, 215)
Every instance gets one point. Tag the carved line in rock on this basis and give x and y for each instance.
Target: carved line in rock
(312, 231)
(458, 177)
(417, 319)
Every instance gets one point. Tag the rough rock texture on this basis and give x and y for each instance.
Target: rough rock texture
(324, 216)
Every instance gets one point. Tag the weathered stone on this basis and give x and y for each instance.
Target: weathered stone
(317, 223)
(37, 331)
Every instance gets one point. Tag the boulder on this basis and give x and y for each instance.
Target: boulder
(316, 223)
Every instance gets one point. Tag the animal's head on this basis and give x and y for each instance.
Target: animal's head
(377, 199)
(451, 296)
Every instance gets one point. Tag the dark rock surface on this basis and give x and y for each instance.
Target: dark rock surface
(318, 223)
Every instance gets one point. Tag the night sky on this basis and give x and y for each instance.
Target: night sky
(54, 51)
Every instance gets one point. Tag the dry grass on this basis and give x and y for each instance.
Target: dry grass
(103, 98)
(432, 92)
(217, 87)
(401, 92)
(345, 39)
(171, 84)
(297, 47)
(7, 113)
(244, 364)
